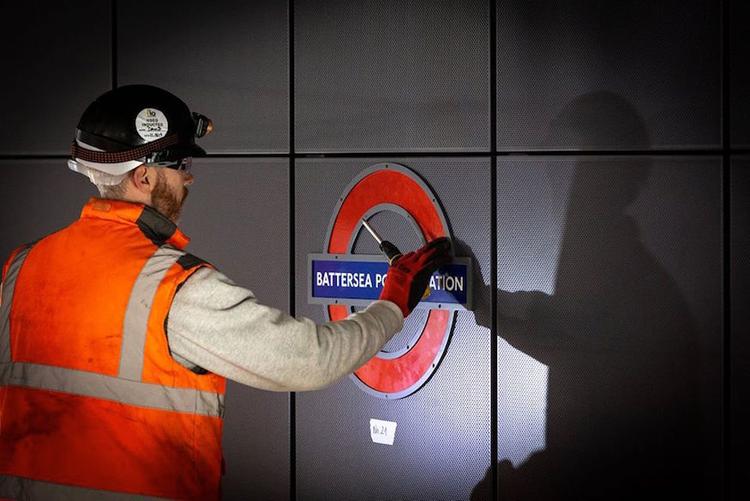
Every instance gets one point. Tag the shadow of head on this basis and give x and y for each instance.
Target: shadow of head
(599, 120)
(603, 121)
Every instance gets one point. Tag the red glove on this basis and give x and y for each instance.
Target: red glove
(409, 275)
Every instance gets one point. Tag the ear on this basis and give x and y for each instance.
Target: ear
(144, 179)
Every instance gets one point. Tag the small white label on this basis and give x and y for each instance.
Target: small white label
(382, 432)
(151, 124)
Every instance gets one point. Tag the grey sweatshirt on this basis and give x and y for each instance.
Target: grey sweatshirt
(219, 326)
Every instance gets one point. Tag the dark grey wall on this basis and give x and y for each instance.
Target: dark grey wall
(56, 55)
(740, 322)
(376, 75)
(660, 56)
(739, 52)
(38, 197)
(613, 235)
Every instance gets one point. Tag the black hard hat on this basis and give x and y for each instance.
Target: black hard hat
(138, 122)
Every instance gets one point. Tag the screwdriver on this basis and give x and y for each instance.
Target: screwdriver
(386, 247)
(390, 251)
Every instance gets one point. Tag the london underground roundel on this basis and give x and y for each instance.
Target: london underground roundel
(341, 280)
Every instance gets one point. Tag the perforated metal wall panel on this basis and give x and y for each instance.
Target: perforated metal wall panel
(50, 71)
(237, 215)
(739, 76)
(227, 61)
(442, 441)
(609, 316)
(38, 197)
(564, 69)
(375, 75)
(740, 325)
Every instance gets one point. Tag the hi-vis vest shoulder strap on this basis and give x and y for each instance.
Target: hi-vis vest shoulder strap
(92, 405)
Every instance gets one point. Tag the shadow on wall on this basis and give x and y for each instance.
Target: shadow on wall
(622, 413)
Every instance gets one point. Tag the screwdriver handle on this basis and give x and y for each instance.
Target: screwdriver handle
(390, 251)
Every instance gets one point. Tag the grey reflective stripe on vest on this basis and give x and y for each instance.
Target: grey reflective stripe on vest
(9, 285)
(24, 488)
(139, 309)
(90, 384)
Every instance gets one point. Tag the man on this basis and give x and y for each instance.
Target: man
(115, 343)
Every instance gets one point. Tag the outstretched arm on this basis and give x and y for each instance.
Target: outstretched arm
(219, 326)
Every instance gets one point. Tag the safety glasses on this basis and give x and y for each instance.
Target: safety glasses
(183, 164)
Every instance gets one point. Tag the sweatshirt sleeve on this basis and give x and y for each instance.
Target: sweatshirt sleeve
(219, 326)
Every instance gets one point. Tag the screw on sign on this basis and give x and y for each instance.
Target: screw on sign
(395, 188)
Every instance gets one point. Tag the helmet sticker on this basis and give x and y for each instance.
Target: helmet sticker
(151, 124)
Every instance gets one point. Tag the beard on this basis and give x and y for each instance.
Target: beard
(165, 200)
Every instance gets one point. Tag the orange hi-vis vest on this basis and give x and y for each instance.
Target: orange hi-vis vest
(92, 405)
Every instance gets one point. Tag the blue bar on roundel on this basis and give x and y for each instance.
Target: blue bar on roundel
(339, 280)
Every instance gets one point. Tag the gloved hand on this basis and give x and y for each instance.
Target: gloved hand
(409, 275)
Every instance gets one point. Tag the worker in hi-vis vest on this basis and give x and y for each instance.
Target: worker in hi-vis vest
(115, 342)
